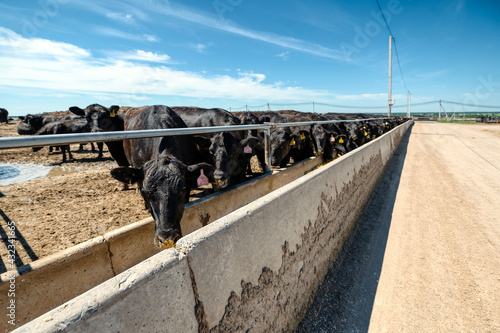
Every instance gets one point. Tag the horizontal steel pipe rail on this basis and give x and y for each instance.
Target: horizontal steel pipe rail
(62, 139)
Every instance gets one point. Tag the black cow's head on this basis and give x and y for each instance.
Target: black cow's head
(30, 124)
(97, 116)
(228, 155)
(281, 143)
(164, 184)
(364, 133)
(249, 118)
(339, 143)
(225, 150)
(322, 138)
(351, 130)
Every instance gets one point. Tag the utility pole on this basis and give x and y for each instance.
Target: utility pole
(409, 111)
(390, 78)
(408, 104)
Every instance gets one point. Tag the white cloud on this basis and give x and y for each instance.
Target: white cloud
(373, 97)
(253, 76)
(200, 48)
(143, 56)
(38, 47)
(33, 63)
(121, 17)
(369, 97)
(194, 16)
(434, 74)
(283, 55)
(121, 34)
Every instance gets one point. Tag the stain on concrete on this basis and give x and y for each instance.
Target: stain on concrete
(204, 219)
(199, 310)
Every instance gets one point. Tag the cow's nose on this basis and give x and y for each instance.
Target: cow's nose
(167, 239)
(218, 175)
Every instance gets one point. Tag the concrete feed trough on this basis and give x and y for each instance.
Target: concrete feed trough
(257, 268)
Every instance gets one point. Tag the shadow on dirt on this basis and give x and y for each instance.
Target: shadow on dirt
(344, 301)
(13, 242)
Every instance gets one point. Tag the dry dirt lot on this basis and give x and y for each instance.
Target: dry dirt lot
(426, 253)
(57, 212)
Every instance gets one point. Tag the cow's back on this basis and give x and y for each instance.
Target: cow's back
(201, 117)
(140, 151)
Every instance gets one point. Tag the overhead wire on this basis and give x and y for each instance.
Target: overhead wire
(395, 47)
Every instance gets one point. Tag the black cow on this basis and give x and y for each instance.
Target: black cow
(31, 123)
(281, 138)
(248, 118)
(65, 127)
(163, 167)
(303, 146)
(349, 129)
(4, 116)
(225, 150)
(102, 119)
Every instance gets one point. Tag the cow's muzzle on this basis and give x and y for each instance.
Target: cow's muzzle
(319, 153)
(166, 243)
(220, 184)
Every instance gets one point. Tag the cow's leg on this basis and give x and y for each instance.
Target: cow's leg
(80, 148)
(63, 149)
(93, 147)
(69, 151)
(99, 145)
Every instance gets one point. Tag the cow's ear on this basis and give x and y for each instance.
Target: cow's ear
(202, 142)
(264, 119)
(113, 110)
(195, 171)
(303, 134)
(252, 141)
(127, 175)
(76, 110)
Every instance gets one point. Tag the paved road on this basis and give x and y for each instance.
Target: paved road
(426, 253)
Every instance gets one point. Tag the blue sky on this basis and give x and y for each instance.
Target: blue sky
(232, 53)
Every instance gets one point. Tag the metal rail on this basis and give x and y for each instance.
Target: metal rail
(64, 139)
(61, 139)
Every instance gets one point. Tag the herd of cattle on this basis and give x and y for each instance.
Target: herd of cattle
(167, 168)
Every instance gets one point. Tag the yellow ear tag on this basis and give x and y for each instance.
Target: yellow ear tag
(292, 143)
(366, 133)
(341, 140)
(303, 136)
(113, 113)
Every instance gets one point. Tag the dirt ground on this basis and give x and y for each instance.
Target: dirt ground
(426, 253)
(57, 212)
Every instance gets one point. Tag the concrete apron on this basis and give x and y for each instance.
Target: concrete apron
(256, 268)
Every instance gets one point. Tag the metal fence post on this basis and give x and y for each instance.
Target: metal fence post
(267, 148)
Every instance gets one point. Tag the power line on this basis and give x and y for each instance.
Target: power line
(399, 64)
(395, 47)
(476, 105)
(383, 16)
